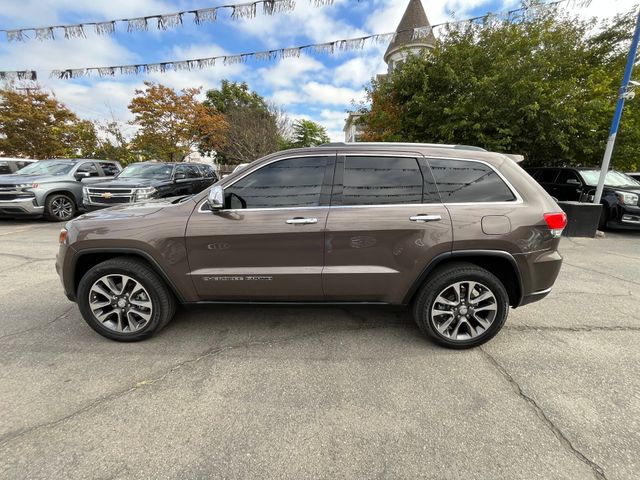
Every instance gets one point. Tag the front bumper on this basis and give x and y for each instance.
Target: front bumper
(628, 218)
(20, 207)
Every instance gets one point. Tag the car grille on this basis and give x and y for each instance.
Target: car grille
(110, 196)
(9, 192)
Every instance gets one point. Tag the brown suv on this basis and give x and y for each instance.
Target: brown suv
(458, 233)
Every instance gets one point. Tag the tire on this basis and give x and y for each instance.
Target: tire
(466, 315)
(152, 305)
(59, 207)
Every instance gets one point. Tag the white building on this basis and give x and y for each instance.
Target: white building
(399, 49)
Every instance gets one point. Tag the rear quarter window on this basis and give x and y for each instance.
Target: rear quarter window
(463, 181)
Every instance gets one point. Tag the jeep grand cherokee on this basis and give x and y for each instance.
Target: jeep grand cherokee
(459, 234)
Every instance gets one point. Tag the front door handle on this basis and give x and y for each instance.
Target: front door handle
(301, 221)
(425, 218)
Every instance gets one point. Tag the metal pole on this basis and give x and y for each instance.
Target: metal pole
(618, 113)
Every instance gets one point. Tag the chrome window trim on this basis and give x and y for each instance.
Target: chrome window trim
(518, 198)
(239, 210)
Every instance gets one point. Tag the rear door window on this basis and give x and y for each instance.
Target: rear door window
(462, 181)
(381, 181)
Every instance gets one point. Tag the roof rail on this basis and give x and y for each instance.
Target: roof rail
(403, 144)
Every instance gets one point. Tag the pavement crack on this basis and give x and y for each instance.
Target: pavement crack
(602, 273)
(24, 257)
(586, 328)
(42, 325)
(8, 437)
(597, 470)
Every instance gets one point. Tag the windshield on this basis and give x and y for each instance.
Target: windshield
(159, 171)
(44, 167)
(613, 179)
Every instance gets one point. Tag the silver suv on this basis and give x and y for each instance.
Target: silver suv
(52, 188)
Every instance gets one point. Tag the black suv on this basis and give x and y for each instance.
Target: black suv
(147, 180)
(620, 198)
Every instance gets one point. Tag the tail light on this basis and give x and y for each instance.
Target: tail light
(556, 223)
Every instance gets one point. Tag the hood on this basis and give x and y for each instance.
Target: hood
(13, 179)
(129, 210)
(130, 183)
(628, 189)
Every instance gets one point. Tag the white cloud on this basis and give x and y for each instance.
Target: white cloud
(319, 24)
(36, 13)
(358, 71)
(317, 93)
(289, 71)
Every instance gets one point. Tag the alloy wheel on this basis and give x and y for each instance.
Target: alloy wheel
(120, 303)
(62, 208)
(464, 310)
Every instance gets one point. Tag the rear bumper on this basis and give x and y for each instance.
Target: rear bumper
(20, 207)
(538, 271)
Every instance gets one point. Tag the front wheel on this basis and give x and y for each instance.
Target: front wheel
(461, 306)
(124, 299)
(59, 208)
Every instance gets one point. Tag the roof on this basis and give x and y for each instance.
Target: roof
(402, 144)
(414, 17)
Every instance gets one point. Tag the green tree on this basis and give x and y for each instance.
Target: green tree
(113, 145)
(543, 86)
(306, 133)
(254, 125)
(173, 123)
(35, 124)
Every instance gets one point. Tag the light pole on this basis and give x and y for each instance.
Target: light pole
(623, 94)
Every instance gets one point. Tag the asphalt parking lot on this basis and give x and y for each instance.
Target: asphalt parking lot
(246, 392)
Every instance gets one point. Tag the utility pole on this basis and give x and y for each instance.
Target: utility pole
(623, 94)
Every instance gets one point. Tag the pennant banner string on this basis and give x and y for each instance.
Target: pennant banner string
(269, 55)
(160, 21)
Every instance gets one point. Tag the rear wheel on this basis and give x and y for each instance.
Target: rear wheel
(59, 207)
(124, 299)
(461, 306)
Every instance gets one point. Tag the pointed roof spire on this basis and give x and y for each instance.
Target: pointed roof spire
(414, 17)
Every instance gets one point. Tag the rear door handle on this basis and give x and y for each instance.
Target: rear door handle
(425, 218)
(301, 221)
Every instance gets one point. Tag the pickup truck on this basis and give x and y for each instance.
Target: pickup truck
(51, 188)
(148, 180)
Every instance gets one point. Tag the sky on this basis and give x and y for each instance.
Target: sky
(313, 86)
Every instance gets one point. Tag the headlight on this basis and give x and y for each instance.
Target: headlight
(23, 186)
(145, 193)
(625, 198)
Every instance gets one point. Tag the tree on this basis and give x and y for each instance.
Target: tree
(306, 133)
(254, 125)
(172, 124)
(543, 86)
(113, 145)
(36, 125)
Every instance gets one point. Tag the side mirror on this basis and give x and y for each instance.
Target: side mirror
(215, 199)
(81, 175)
